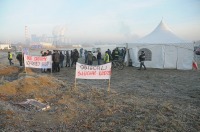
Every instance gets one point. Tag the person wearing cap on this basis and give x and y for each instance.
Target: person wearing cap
(142, 59)
(10, 57)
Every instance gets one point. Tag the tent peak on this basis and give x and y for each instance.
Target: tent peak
(162, 26)
(161, 34)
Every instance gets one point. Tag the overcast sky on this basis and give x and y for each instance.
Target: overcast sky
(98, 20)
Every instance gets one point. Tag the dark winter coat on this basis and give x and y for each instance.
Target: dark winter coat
(56, 57)
(99, 55)
(61, 57)
(142, 57)
(75, 55)
(19, 57)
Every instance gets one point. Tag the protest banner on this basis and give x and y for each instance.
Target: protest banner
(93, 72)
(38, 61)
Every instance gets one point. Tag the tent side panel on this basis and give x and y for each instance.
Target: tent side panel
(134, 57)
(157, 57)
(185, 59)
(170, 55)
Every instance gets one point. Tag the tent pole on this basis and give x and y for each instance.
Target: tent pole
(164, 57)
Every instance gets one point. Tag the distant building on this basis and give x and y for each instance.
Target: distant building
(34, 38)
(46, 44)
(43, 38)
(5, 46)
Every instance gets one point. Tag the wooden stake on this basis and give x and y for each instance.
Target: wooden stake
(109, 85)
(75, 84)
(51, 66)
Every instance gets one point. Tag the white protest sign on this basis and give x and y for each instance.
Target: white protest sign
(93, 72)
(38, 61)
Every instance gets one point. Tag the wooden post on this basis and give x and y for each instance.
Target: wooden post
(109, 85)
(51, 65)
(75, 83)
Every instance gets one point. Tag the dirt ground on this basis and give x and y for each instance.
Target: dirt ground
(152, 100)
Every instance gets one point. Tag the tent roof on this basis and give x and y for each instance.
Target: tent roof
(162, 34)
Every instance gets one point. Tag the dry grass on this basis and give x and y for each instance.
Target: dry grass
(145, 101)
(7, 70)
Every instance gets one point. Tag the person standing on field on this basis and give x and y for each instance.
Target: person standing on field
(142, 59)
(90, 58)
(56, 61)
(116, 54)
(99, 58)
(10, 57)
(106, 58)
(19, 58)
(62, 57)
(75, 56)
(67, 59)
(86, 56)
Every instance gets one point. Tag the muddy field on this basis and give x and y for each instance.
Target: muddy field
(151, 100)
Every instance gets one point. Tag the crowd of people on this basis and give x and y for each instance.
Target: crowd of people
(72, 57)
(58, 59)
(116, 54)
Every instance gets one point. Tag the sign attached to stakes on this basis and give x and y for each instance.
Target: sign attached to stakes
(38, 61)
(93, 72)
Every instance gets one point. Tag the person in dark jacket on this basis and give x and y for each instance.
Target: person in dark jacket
(71, 57)
(110, 54)
(116, 54)
(19, 58)
(99, 58)
(142, 59)
(56, 60)
(86, 56)
(67, 59)
(61, 59)
(90, 58)
(75, 56)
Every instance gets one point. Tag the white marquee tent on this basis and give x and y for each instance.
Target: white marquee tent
(163, 50)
